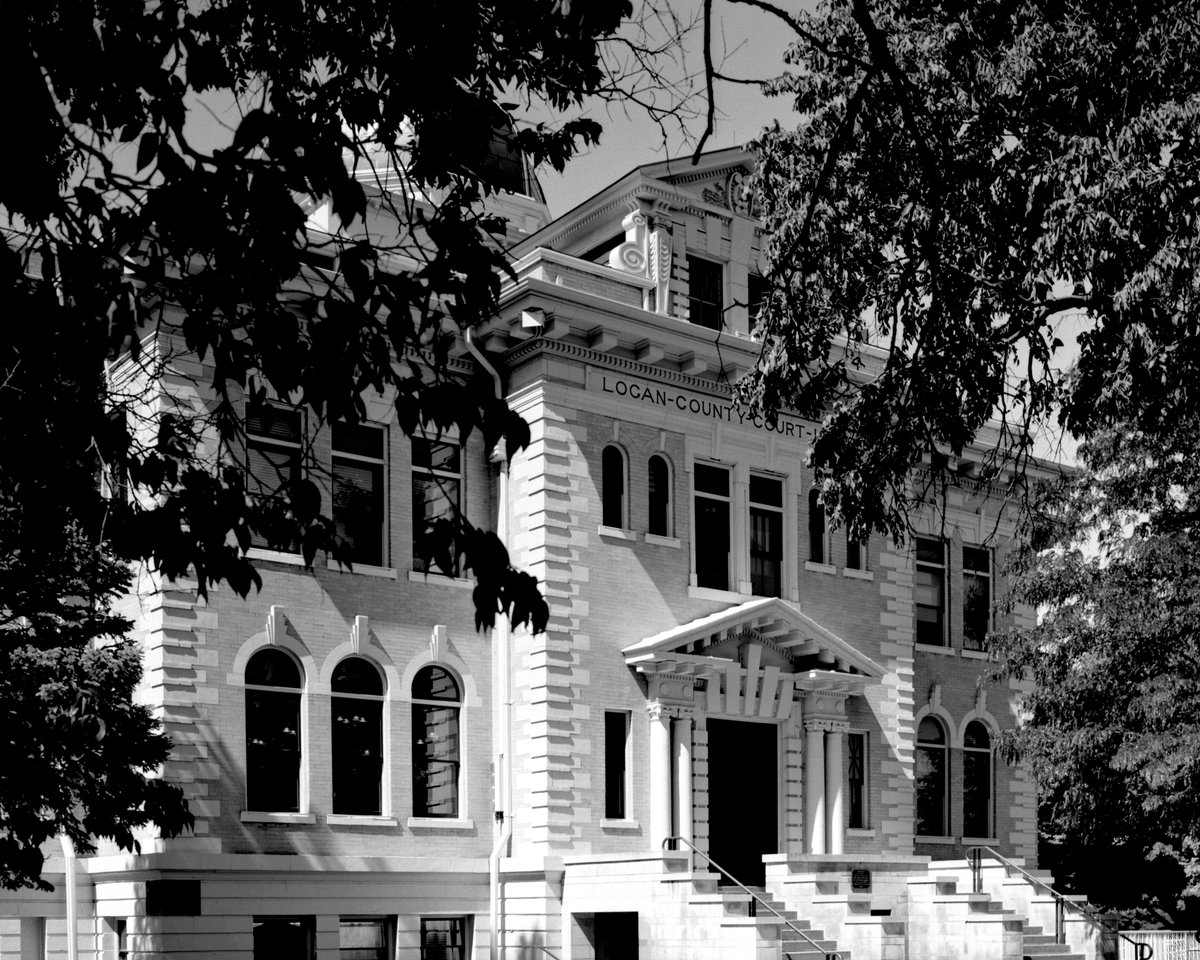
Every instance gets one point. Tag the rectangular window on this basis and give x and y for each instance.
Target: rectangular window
(444, 938)
(856, 780)
(711, 535)
(929, 588)
(274, 449)
(358, 490)
(766, 536)
(977, 597)
(816, 527)
(755, 295)
(278, 937)
(117, 929)
(856, 554)
(364, 939)
(436, 491)
(616, 767)
(706, 296)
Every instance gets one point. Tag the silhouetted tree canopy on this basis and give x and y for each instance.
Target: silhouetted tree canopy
(146, 231)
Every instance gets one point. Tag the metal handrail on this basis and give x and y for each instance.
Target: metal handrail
(1141, 949)
(835, 955)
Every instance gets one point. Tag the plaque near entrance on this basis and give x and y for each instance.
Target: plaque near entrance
(860, 879)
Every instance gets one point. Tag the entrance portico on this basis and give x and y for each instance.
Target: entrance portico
(761, 662)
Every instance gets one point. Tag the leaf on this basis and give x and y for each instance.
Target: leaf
(147, 149)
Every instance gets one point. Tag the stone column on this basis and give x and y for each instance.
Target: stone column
(835, 817)
(660, 775)
(814, 788)
(682, 728)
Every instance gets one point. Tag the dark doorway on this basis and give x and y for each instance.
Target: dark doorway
(743, 784)
(616, 936)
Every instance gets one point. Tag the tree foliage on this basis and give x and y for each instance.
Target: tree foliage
(146, 231)
(1112, 727)
(965, 176)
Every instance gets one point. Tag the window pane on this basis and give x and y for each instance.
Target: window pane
(816, 528)
(977, 736)
(271, 468)
(766, 552)
(273, 668)
(273, 421)
(612, 487)
(434, 683)
(930, 731)
(357, 743)
(856, 780)
(931, 791)
(435, 761)
(767, 491)
(358, 509)
(362, 940)
(977, 559)
(283, 938)
(712, 543)
(977, 611)
(435, 503)
(930, 551)
(977, 793)
(357, 675)
(435, 455)
(659, 496)
(616, 726)
(710, 479)
(443, 938)
(853, 554)
(273, 751)
(360, 439)
(757, 290)
(706, 298)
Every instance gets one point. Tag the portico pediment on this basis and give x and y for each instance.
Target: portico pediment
(755, 657)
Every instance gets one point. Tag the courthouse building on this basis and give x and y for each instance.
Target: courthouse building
(724, 678)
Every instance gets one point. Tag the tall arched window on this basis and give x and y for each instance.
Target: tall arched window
(659, 490)
(435, 743)
(816, 527)
(357, 737)
(977, 780)
(273, 684)
(931, 779)
(612, 487)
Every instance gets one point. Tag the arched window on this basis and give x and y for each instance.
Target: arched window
(612, 486)
(273, 684)
(977, 780)
(435, 743)
(931, 778)
(659, 489)
(816, 527)
(357, 737)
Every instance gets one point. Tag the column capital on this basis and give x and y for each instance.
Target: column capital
(659, 710)
(821, 724)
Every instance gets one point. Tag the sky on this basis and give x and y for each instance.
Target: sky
(747, 43)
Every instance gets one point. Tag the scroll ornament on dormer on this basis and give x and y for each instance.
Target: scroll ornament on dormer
(646, 252)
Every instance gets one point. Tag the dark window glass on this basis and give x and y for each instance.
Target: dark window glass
(856, 779)
(283, 938)
(931, 774)
(273, 733)
(929, 588)
(443, 938)
(435, 746)
(612, 484)
(856, 554)
(706, 298)
(766, 536)
(357, 737)
(711, 535)
(435, 493)
(816, 527)
(358, 491)
(977, 598)
(503, 167)
(659, 483)
(273, 464)
(616, 733)
(977, 781)
(757, 290)
(363, 939)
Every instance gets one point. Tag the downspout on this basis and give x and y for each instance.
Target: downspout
(503, 636)
(68, 850)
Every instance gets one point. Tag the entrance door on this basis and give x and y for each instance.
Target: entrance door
(743, 786)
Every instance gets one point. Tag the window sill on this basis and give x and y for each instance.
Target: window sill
(360, 820)
(860, 831)
(977, 654)
(258, 816)
(854, 574)
(275, 556)
(612, 824)
(981, 841)
(440, 579)
(661, 541)
(387, 573)
(723, 596)
(940, 651)
(813, 567)
(439, 823)
(944, 841)
(616, 533)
